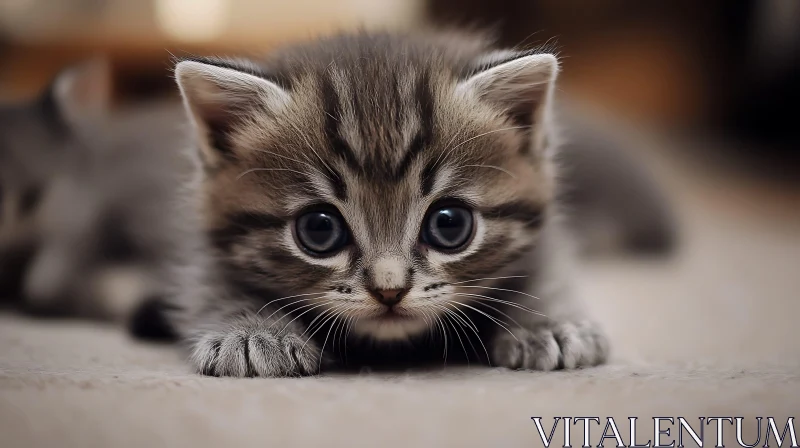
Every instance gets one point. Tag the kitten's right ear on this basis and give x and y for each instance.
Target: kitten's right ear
(217, 98)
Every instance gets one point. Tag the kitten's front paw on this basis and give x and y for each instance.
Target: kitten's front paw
(550, 346)
(247, 352)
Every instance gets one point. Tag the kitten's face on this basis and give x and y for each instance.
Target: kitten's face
(371, 191)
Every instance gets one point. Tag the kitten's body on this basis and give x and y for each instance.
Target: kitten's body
(379, 132)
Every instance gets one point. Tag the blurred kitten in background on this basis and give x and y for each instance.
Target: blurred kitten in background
(31, 138)
(100, 230)
(612, 202)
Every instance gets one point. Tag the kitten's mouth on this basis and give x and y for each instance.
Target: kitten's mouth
(391, 315)
(391, 324)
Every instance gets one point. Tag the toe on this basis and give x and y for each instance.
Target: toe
(507, 352)
(267, 357)
(541, 350)
(232, 360)
(304, 355)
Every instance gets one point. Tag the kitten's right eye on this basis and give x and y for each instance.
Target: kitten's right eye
(321, 232)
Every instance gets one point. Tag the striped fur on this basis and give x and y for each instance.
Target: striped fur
(379, 127)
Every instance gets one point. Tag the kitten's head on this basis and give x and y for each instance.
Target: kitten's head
(374, 174)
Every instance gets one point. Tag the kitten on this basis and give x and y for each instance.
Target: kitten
(31, 135)
(101, 233)
(378, 198)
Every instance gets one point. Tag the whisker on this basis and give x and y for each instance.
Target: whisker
(449, 151)
(444, 335)
(474, 329)
(313, 307)
(505, 302)
(333, 313)
(318, 318)
(289, 304)
(501, 289)
(450, 142)
(429, 322)
(514, 176)
(464, 323)
(311, 147)
(494, 308)
(253, 170)
(463, 347)
(488, 278)
(447, 333)
(292, 160)
(322, 350)
(345, 334)
(492, 318)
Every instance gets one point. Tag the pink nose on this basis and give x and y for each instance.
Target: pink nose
(388, 297)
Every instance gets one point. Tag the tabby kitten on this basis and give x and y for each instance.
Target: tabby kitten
(375, 199)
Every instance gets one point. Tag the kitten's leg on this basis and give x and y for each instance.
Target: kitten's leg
(251, 345)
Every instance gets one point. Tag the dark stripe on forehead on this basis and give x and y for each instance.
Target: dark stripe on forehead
(424, 97)
(424, 103)
(333, 117)
(531, 215)
(428, 177)
(338, 184)
(414, 149)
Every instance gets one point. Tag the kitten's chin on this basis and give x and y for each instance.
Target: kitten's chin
(390, 328)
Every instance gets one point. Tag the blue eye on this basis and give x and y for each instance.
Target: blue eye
(321, 232)
(448, 228)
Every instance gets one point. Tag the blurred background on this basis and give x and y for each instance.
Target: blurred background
(722, 74)
(717, 68)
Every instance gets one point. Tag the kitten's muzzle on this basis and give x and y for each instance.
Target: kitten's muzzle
(389, 297)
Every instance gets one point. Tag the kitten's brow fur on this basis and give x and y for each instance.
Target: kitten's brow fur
(379, 126)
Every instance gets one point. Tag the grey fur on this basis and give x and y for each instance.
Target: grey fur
(380, 126)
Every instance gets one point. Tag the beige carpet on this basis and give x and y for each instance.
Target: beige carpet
(711, 333)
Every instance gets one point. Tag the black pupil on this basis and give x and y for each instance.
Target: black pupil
(320, 231)
(450, 226)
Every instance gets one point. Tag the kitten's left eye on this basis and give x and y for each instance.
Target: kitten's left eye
(448, 228)
(321, 232)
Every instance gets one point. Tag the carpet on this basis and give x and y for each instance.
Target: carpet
(710, 332)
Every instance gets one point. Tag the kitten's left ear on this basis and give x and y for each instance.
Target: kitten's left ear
(220, 97)
(520, 83)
